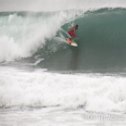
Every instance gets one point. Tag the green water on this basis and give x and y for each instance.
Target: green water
(102, 44)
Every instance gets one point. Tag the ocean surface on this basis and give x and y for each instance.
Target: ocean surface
(46, 82)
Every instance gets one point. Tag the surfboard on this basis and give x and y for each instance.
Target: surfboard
(71, 42)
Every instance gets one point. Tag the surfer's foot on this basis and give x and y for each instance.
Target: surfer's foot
(70, 41)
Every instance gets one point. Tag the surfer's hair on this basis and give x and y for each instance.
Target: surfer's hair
(76, 26)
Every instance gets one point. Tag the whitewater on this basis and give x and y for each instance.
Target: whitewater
(44, 81)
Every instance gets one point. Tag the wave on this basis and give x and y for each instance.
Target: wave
(101, 39)
(102, 44)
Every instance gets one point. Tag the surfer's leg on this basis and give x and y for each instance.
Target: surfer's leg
(70, 41)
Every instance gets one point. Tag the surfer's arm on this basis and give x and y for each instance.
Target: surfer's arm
(65, 32)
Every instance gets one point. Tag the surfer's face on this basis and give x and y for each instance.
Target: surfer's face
(76, 27)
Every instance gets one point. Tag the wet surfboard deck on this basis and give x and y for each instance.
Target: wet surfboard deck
(71, 42)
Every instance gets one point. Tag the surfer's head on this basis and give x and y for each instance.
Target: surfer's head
(76, 26)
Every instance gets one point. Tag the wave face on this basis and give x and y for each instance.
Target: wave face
(102, 44)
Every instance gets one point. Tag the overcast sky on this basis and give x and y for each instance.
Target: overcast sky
(51, 5)
(38, 4)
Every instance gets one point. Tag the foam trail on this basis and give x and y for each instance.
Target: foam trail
(38, 89)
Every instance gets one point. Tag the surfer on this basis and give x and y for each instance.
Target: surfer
(72, 33)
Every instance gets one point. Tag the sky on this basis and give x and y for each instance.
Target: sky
(38, 4)
(52, 5)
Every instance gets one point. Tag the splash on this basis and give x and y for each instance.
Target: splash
(21, 35)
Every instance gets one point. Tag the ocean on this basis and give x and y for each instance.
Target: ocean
(46, 82)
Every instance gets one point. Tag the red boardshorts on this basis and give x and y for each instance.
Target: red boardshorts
(72, 34)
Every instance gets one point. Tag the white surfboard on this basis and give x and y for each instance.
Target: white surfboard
(71, 42)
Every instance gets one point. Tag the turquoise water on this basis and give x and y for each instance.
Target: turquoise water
(101, 40)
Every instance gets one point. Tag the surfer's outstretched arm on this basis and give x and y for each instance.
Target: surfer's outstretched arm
(65, 32)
